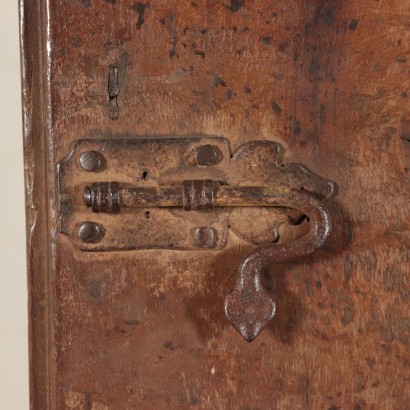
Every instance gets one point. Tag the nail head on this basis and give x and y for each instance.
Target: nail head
(90, 232)
(208, 155)
(204, 237)
(91, 161)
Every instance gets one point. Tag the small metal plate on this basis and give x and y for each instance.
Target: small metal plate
(168, 161)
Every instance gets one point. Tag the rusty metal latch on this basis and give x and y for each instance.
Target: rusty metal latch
(143, 185)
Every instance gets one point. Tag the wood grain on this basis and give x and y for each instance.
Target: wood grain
(329, 80)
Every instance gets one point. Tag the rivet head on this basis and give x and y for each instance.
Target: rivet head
(204, 237)
(208, 155)
(91, 161)
(90, 232)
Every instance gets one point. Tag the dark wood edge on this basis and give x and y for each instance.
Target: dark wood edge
(38, 186)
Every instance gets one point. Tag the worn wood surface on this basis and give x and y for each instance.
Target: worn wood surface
(327, 79)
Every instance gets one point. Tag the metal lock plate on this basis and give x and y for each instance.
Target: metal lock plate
(186, 193)
(167, 162)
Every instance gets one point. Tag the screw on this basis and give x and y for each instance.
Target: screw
(204, 237)
(90, 232)
(91, 161)
(208, 155)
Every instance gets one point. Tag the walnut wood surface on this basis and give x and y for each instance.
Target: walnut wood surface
(327, 79)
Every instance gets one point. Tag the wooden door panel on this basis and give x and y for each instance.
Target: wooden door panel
(145, 329)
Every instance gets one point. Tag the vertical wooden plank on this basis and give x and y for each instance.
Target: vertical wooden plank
(34, 43)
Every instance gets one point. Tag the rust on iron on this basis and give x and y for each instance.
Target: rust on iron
(248, 307)
(204, 237)
(103, 197)
(208, 155)
(91, 161)
(146, 329)
(127, 162)
(198, 195)
(90, 232)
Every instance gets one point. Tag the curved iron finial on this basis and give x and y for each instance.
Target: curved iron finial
(248, 306)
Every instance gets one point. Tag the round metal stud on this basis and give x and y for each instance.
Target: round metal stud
(204, 237)
(91, 161)
(90, 232)
(208, 155)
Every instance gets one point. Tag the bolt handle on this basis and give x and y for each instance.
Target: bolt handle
(248, 306)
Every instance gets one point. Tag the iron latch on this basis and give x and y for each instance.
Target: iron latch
(186, 194)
